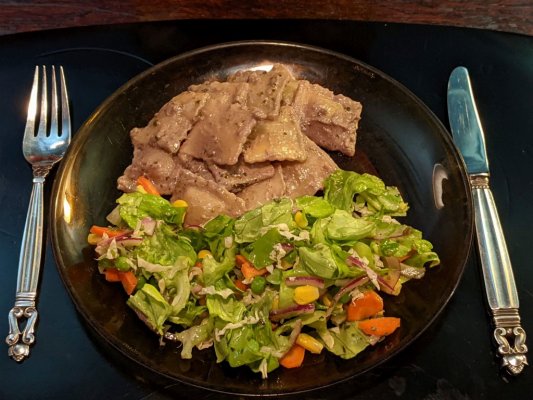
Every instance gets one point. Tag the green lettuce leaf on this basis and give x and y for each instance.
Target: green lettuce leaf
(344, 228)
(253, 224)
(249, 343)
(341, 187)
(227, 309)
(318, 231)
(151, 307)
(345, 341)
(178, 288)
(188, 314)
(314, 206)
(429, 259)
(216, 232)
(136, 206)
(258, 252)
(164, 247)
(173, 280)
(194, 336)
(214, 270)
(318, 261)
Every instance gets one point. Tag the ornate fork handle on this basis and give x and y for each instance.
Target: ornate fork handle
(28, 273)
(42, 148)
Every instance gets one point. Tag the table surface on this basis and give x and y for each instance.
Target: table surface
(453, 359)
(34, 15)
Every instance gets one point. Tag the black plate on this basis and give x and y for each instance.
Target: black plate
(399, 138)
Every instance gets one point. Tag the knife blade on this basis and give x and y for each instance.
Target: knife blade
(500, 287)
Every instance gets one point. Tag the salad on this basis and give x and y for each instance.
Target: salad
(286, 279)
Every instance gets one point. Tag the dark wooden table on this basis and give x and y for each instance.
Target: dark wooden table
(454, 358)
(500, 15)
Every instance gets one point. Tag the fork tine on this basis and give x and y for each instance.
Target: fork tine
(65, 110)
(43, 119)
(53, 108)
(32, 105)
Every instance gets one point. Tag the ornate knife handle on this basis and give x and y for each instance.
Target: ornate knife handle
(500, 285)
(28, 277)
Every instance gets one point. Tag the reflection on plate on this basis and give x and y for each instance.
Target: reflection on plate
(399, 139)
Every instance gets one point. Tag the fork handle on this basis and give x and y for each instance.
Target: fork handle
(28, 277)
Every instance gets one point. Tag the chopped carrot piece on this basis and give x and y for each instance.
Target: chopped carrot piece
(111, 232)
(147, 185)
(112, 275)
(240, 260)
(129, 281)
(239, 284)
(247, 268)
(364, 307)
(249, 271)
(381, 326)
(294, 358)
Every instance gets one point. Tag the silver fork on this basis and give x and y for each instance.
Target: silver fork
(42, 149)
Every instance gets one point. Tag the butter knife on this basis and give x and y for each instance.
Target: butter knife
(500, 286)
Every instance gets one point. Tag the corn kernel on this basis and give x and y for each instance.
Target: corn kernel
(327, 300)
(204, 253)
(306, 294)
(180, 204)
(93, 239)
(309, 343)
(300, 219)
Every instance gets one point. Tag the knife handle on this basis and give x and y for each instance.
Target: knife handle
(500, 286)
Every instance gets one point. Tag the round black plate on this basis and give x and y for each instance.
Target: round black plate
(399, 139)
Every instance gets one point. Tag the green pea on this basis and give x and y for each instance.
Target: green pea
(122, 264)
(258, 285)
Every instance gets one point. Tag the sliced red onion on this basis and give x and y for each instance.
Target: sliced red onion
(350, 286)
(355, 261)
(358, 262)
(346, 289)
(305, 280)
(291, 311)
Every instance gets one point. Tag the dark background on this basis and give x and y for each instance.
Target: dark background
(453, 359)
